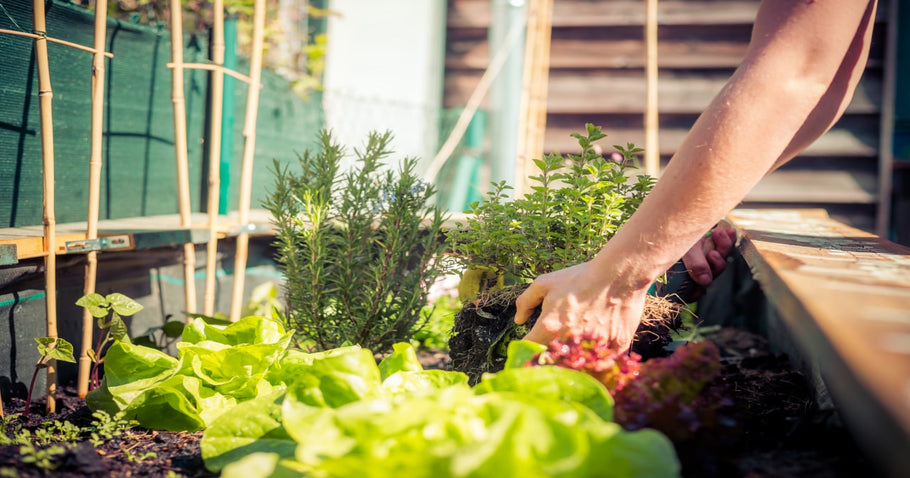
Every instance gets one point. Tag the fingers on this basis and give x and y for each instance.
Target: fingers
(698, 266)
(528, 301)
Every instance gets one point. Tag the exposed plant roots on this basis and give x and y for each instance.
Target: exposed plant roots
(484, 327)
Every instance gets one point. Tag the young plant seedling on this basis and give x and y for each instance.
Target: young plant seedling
(50, 348)
(116, 306)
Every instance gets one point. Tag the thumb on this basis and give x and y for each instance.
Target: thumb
(527, 302)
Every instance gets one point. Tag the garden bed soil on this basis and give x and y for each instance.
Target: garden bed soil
(779, 432)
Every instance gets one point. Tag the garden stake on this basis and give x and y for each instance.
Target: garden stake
(533, 109)
(652, 147)
(94, 190)
(180, 154)
(249, 149)
(214, 140)
(46, 96)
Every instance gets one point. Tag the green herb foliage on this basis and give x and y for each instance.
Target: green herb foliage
(357, 247)
(575, 205)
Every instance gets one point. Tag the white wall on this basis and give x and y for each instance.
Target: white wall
(384, 69)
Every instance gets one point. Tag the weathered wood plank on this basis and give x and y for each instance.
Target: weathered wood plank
(816, 186)
(619, 13)
(574, 13)
(585, 48)
(601, 92)
(144, 232)
(844, 296)
(845, 139)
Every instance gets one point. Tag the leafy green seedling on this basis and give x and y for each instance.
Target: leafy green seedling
(50, 348)
(109, 312)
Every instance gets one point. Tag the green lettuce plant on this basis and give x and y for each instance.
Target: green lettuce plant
(575, 205)
(358, 248)
(268, 410)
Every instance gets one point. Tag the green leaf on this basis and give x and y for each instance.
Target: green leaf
(96, 304)
(250, 427)
(402, 358)
(123, 305)
(520, 352)
(118, 329)
(553, 383)
(55, 348)
(173, 328)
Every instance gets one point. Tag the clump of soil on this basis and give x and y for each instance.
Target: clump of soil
(484, 327)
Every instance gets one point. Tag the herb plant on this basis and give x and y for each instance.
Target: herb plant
(575, 205)
(356, 247)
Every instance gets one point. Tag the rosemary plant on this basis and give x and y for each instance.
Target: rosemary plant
(359, 248)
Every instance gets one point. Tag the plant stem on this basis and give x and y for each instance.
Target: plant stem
(31, 387)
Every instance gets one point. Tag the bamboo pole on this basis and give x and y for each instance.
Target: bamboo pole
(94, 190)
(249, 148)
(46, 96)
(180, 155)
(535, 78)
(214, 139)
(652, 142)
(52, 40)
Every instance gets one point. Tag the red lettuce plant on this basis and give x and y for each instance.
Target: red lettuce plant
(678, 395)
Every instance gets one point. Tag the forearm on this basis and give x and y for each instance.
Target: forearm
(792, 86)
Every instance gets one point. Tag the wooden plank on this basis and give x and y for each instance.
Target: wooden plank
(846, 139)
(574, 13)
(587, 48)
(146, 232)
(814, 186)
(598, 92)
(844, 296)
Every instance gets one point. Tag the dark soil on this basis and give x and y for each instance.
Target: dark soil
(779, 432)
(484, 327)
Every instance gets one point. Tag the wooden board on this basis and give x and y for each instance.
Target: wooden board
(144, 232)
(844, 295)
(574, 13)
(599, 92)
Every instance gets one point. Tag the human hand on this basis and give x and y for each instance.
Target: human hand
(582, 300)
(707, 259)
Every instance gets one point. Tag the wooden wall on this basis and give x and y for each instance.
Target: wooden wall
(597, 76)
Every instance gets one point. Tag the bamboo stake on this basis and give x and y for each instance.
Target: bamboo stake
(534, 91)
(46, 96)
(53, 40)
(249, 148)
(652, 142)
(94, 190)
(214, 139)
(180, 154)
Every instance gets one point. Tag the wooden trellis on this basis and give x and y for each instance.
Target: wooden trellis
(45, 95)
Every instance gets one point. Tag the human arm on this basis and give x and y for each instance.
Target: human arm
(799, 73)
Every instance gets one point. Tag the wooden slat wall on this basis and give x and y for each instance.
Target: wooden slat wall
(597, 76)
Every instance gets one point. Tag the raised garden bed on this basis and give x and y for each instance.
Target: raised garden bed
(778, 431)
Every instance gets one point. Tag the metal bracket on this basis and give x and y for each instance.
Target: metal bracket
(252, 228)
(9, 254)
(107, 242)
